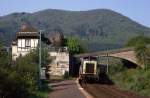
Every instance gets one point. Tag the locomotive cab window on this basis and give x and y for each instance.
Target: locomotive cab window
(89, 67)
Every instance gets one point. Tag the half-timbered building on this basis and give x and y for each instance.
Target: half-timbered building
(26, 40)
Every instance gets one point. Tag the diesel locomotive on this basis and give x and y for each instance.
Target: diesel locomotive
(89, 69)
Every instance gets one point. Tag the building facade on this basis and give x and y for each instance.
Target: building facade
(26, 40)
(59, 62)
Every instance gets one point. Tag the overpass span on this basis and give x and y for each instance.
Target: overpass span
(124, 53)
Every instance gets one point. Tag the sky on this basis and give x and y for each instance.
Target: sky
(137, 10)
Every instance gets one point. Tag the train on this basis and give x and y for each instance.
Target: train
(89, 69)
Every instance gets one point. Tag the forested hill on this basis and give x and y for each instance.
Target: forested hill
(101, 28)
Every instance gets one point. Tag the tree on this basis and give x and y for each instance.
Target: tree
(21, 79)
(27, 67)
(17, 81)
(142, 51)
(138, 40)
(0, 45)
(74, 45)
(4, 57)
(142, 54)
(57, 38)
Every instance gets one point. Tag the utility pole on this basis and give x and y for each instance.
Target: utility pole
(107, 63)
(40, 32)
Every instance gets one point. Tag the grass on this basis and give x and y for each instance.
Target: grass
(60, 78)
(137, 80)
(43, 92)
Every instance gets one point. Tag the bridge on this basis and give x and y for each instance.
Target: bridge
(124, 53)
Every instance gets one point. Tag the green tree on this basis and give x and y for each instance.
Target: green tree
(4, 57)
(44, 54)
(0, 45)
(12, 85)
(142, 54)
(17, 81)
(138, 40)
(21, 79)
(74, 45)
(142, 51)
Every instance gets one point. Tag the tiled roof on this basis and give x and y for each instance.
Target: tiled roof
(31, 34)
(27, 31)
(27, 28)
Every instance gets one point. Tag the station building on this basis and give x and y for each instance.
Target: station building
(26, 40)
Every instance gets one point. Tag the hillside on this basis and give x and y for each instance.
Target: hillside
(101, 28)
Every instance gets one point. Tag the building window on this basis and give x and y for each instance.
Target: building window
(27, 43)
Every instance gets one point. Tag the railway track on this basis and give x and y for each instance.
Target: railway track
(108, 91)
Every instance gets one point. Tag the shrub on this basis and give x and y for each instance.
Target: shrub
(75, 45)
(12, 85)
(66, 75)
(20, 80)
(134, 79)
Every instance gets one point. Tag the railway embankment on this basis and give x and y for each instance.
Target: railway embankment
(136, 80)
(108, 91)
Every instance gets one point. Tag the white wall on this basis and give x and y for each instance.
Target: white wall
(14, 52)
(52, 53)
(60, 64)
(21, 49)
(34, 42)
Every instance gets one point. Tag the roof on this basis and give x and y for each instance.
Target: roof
(27, 28)
(27, 31)
(28, 34)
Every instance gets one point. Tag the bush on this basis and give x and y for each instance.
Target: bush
(137, 80)
(138, 40)
(27, 68)
(12, 85)
(75, 46)
(20, 80)
(66, 75)
(116, 65)
(142, 51)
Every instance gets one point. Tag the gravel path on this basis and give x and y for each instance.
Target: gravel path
(65, 89)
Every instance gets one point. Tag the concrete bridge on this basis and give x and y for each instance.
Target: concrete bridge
(124, 53)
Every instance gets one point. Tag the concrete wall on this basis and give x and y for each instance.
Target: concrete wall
(59, 64)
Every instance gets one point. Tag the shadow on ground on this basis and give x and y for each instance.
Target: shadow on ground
(104, 79)
(63, 84)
